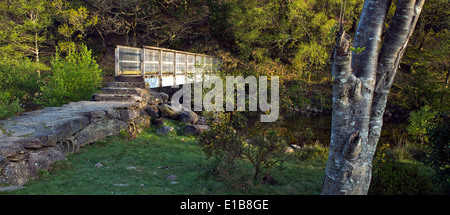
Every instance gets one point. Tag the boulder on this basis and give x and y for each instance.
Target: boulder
(164, 129)
(128, 114)
(202, 120)
(94, 116)
(44, 159)
(167, 110)
(98, 130)
(195, 129)
(188, 117)
(158, 121)
(16, 173)
(159, 97)
(152, 111)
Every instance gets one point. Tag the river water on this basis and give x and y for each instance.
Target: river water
(306, 129)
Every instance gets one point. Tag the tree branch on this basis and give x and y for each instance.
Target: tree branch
(368, 35)
(394, 45)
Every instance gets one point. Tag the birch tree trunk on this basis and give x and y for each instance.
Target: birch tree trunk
(360, 90)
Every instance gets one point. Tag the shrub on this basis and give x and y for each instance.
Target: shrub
(19, 85)
(399, 178)
(7, 108)
(312, 151)
(438, 152)
(392, 176)
(230, 141)
(75, 77)
(419, 121)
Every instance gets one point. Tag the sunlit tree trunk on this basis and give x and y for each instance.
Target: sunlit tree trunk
(36, 48)
(360, 89)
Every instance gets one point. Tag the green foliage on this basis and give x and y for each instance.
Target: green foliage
(424, 86)
(357, 50)
(419, 122)
(438, 151)
(312, 151)
(24, 25)
(432, 129)
(75, 23)
(310, 57)
(297, 33)
(75, 77)
(219, 12)
(394, 177)
(228, 142)
(426, 59)
(8, 108)
(19, 85)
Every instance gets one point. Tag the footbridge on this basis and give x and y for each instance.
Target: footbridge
(160, 67)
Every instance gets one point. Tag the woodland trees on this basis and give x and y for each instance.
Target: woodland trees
(297, 33)
(24, 27)
(154, 22)
(32, 31)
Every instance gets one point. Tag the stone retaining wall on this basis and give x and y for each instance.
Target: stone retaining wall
(35, 140)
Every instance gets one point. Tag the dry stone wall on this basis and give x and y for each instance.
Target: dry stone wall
(35, 140)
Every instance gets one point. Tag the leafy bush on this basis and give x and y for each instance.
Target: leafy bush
(312, 151)
(438, 152)
(75, 77)
(8, 109)
(398, 178)
(392, 176)
(230, 142)
(432, 128)
(19, 85)
(419, 121)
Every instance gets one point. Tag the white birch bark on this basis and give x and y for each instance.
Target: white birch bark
(361, 85)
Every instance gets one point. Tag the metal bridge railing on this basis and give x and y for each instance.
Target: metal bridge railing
(163, 67)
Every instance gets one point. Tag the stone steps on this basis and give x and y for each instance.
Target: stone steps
(114, 84)
(123, 91)
(129, 78)
(117, 97)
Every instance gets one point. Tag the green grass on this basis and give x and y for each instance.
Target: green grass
(156, 157)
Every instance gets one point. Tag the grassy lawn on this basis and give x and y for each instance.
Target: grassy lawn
(148, 164)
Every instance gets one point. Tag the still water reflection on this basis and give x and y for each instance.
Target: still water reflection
(305, 129)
